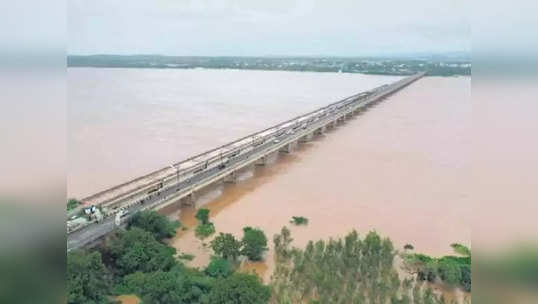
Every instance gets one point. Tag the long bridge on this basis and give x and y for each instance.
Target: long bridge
(182, 180)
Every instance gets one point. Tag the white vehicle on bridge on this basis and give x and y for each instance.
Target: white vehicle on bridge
(257, 141)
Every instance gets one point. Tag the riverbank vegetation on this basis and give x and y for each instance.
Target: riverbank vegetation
(155, 223)
(138, 261)
(348, 270)
(451, 270)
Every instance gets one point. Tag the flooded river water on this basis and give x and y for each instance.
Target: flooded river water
(124, 123)
(399, 168)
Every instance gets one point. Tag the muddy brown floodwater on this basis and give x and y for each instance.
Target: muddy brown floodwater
(399, 168)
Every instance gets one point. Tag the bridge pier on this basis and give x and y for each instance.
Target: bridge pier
(231, 178)
(262, 161)
(190, 200)
(306, 138)
(288, 148)
(320, 131)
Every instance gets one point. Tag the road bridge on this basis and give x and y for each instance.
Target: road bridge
(182, 180)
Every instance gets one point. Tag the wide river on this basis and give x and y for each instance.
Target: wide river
(399, 168)
(124, 123)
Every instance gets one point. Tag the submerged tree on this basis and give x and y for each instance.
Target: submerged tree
(205, 228)
(203, 216)
(226, 246)
(348, 270)
(254, 243)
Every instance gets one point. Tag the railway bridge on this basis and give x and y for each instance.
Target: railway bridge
(181, 181)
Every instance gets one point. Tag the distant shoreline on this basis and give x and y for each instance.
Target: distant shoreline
(368, 66)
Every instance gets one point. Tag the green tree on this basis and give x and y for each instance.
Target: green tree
(137, 250)
(240, 288)
(87, 278)
(203, 216)
(156, 287)
(449, 271)
(226, 246)
(159, 225)
(179, 285)
(218, 268)
(254, 243)
(204, 230)
(282, 243)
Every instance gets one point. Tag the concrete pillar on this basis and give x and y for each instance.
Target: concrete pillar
(190, 200)
(261, 161)
(285, 149)
(230, 178)
(321, 130)
(288, 148)
(306, 138)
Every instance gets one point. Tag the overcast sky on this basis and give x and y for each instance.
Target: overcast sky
(272, 27)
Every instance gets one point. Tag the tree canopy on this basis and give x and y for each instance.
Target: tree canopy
(178, 286)
(203, 216)
(87, 278)
(348, 270)
(137, 250)
(254, 243)
(151, 221)
(218, 268)
(239, 288)
(226, 246)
